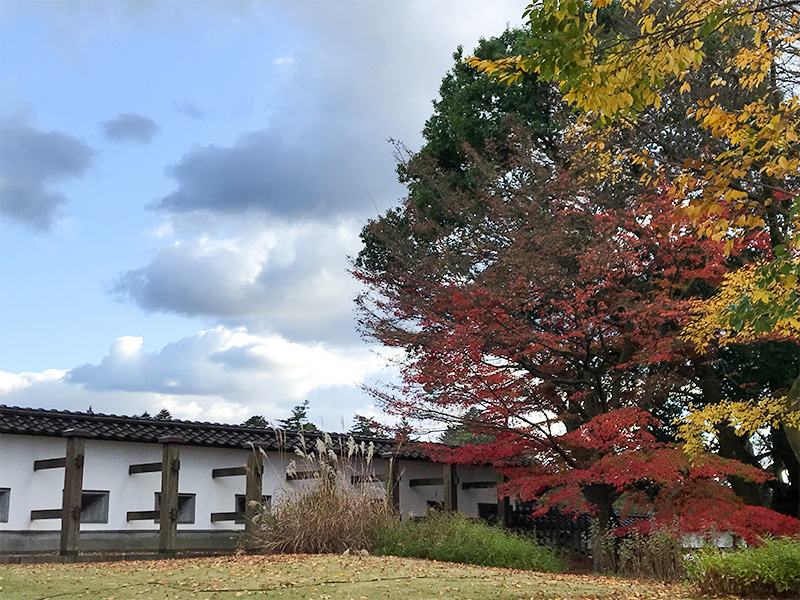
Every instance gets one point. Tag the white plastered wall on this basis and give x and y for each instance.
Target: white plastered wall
(469, 499)
(106, 469)
(30, 490)
(414, 500)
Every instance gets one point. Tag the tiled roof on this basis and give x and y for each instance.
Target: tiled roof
(35, 421)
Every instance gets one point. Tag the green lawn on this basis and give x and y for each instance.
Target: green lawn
(319, 577)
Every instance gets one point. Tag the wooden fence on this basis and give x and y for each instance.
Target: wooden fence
(554, 528)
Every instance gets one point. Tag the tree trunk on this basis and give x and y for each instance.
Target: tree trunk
(786, 495)
(793, 433)
(602, 497)
(793, 405)
(731, 445)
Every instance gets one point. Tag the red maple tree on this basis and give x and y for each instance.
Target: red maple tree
(555, 311)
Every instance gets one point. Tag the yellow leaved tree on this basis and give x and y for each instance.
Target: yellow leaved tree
(616, 60)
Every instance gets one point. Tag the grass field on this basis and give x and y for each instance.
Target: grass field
(318, 577)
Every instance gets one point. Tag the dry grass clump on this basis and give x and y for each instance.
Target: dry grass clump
(657, 555)
(330, 515)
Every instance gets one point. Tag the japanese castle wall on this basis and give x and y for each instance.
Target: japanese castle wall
(117, 493)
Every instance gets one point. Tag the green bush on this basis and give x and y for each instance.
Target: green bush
(769, 570)
(454, 538)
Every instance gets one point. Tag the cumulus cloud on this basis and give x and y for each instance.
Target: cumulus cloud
(13, 382)
(130, 127)
(220, 374)
(34, 160)
(263, 171)
(292, 195)
(345, 92)
(310, 178)
(230, 363)
(288, 277)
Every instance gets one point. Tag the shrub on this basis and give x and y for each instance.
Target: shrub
(654, 555)
(330, 515)
(455, 538)
(769, 570)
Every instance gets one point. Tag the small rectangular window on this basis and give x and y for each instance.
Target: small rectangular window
(266, 504)
(435, 505)
(5, 499)
(94, 506)
(185, 507)
(487, 511)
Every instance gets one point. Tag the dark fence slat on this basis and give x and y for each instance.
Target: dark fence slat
(50, 463)
(295, 475)
(228, 472)
(47, 513)
(144, 468)
(478, 485)
(354, 479)
(143, 515)
(423, 482)
(554, 529)
(218, 517)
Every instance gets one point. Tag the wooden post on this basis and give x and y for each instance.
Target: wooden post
(503, 508)
(450, 485)
(73, 489)
(168, 514)
(253, 496)
(393, 484)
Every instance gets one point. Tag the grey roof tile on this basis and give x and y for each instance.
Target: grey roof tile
(37, 421)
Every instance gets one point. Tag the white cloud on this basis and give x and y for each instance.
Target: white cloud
(286, 60)
(127, 346)
(286, 277)
(255, 230)
(11, 382)
(219, 374)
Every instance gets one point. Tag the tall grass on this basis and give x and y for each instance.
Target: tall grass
(454, 538)
(330, 515)
(657, 555)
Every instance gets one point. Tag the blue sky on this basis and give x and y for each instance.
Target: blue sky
(181, 183)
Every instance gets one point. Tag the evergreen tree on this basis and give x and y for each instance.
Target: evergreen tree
(466, 430)
(299, 419)
(256, 421)
(366, 427)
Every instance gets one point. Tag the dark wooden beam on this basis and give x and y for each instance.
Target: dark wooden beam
(423, 482)
(47, 513)
(49, 463)
(73, 492)
(253, 493)
(229, 472)
(143, 515)
(393, 484)
(382, 478)
(168, 518)
(302, 475)
(450, 483)
(503, 508)
(478, 485)
(144, 468)
(227, 516)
